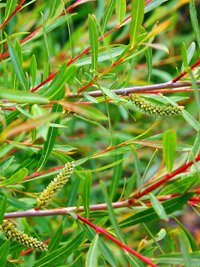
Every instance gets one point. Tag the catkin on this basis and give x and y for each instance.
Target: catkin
(12, 232)
(154, 109)
(55, 186)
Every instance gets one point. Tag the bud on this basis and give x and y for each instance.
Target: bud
(154, 109)
(55, 186)
(12, 232)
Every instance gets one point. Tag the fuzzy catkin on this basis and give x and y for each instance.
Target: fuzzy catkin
(12, 232)
(55, 186)
(153, 109)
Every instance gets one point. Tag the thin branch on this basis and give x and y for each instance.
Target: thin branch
(95, 207)
(32, 34)
(185, 72)
(18, 7)
(138, 89)
(154, 186)
(85, 51)
(116, 241)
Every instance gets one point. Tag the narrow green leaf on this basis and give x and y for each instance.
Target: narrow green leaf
(10, 5)
(148, 55)
(87, 111)
(153, 5)
(184, 248)
(194, 20)
(17, 66)
(5, 163)
(4, 250)
(112, 216)
(55, 239)
(191, 120)
(130, 185)
(181, 185)
(177, 259)
(107, 253)
(33, 70)
(56, 89)
(92, 255)
(112, 95)
(158, 207)
(137, 167)
(120, 10)
(195, 147)
(169, 147)
(19, 96)
(190, 52)
(117, 175)
(193, 244)
(15, 178)
(51, 137)
(149, 214)
(136, 21)
(87, 192)
(93, 37)
(108, 13)
(184, 55)
(3, 203)
(58, 255)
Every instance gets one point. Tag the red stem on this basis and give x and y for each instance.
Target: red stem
(18, 7)
(31, 35)
(116, 241)
(165, 179)
(185, 72)
(85, 51)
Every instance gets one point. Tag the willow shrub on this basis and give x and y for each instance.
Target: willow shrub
(99, 133)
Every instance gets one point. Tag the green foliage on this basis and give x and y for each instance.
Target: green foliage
(76, 83)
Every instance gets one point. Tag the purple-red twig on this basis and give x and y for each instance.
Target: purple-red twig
(116, 241)
(18, 7)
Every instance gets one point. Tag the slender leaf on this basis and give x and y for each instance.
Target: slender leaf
(10, 5)
(169, 148)
(17, 66)
(92, 255)
(87, 193)
(4, 252)
(5, 163)
(33, 69)
(15, 178)
(111, 213)
(89, 112)
(153, 5)
(191, 120)
(158, 207)
(136, 21)
(117, 175)
(149, 214)
(3, 203)
(120, 10)
(55, 239)
(51, 138)
(58, 255)
(108, 13)
(93, 37)
(56, 89)
(177, 259)
(193, 245)
(194, 20)
(19, 96)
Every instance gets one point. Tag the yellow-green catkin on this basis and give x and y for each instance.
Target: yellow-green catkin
(55, 186)
(156, 110)
(12, 232)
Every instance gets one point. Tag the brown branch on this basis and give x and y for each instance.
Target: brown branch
(95, 207)
(138, 89)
